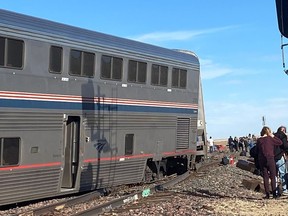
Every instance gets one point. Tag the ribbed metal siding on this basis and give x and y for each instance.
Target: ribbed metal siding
(105, 121)
(20, 185)
(30, 121)
(182, 137)
(107, 174)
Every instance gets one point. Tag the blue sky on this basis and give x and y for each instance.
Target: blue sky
(237, 42)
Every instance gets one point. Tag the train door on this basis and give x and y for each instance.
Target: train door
(71, 151)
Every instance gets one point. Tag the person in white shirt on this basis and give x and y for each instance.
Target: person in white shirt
(211, 144)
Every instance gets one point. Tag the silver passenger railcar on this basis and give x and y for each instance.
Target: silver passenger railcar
(82, 110)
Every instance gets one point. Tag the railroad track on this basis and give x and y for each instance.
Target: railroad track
(156, 193)
(96, 204)
(62, 204)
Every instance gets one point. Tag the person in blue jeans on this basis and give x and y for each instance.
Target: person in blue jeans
(279, 152)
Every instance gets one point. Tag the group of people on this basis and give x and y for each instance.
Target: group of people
(270, 156)
(241, 144)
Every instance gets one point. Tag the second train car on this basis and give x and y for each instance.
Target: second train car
(81, 110)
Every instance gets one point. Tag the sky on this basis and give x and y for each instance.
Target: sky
(238, 44)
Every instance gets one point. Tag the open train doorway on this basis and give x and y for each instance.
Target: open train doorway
(71, 152)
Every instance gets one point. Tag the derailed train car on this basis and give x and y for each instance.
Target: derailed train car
(82, 110)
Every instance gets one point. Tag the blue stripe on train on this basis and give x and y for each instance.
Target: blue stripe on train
(33, 104)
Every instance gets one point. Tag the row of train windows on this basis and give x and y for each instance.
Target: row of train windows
(82, 64)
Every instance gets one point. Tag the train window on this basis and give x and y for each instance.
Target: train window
(106, 67)
(129, 142)
(88, 65)
(82, 63)
(10, 149)
(11, 53)
(75, 62)
(2, 50)
(159, 75)
(137, 71)
(179, 78)
(111, 67)
(56, 54)
(15, 53)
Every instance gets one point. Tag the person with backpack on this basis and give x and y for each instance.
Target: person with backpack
(279, 152)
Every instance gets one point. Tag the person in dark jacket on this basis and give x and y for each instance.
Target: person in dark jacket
(231, 144)
(279, 152)
(266, 158)
(254, 155)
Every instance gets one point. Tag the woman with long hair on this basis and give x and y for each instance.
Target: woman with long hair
(265, 145)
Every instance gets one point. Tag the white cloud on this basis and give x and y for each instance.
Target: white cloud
(210, 70)
(176, 35)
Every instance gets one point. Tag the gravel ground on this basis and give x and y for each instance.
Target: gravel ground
(218, 192)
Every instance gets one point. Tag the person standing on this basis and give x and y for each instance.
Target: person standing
(236, 144)
(280, 160)
(231, 144)
(211, 144)
(265, 145)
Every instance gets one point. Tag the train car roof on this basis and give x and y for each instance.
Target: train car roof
(46, 27)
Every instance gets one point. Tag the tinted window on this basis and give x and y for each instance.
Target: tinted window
(75, 62)
(117, 68)
(155, 75)
(132, 71)
(179, 78)
(55, 59)
(142, 71)
(11, 53)
(175, 77)
(159, 75)
(137, 71)
(129, 142)
(88, 64)
(15, 53)
(106, 64)
(10, 151)
(183, 78)
(82, 63)
(111, 67)
(163, 76)
(2, 50)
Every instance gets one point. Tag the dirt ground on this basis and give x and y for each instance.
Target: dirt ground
(251, 207)
(244, 207)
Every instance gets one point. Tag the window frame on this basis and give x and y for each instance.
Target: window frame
(161, 75)
(180, 77)
(15, 51)
(81, 63)
(50, 59)
(129, 146)
(112, 67)
(2, 151)
(138, 72)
